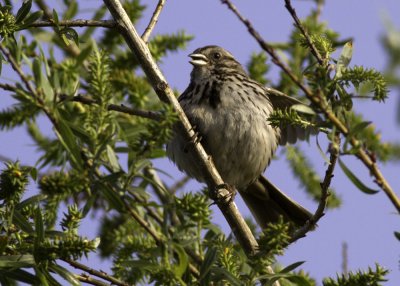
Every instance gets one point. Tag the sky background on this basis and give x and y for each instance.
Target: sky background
(365, 223)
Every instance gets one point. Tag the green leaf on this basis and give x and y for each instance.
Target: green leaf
(291, 267)
(112, 158)
(67, 139)
(30, 201)
(302, 108)
(37, 71)
(39, 227)
(21, 221)
(183, 259)
(64, 273)
(20, 275)
(359, 127)
(223, 274)
(208, 262)
(357, 182)
(23, 11)
(30, 19)
(344, 59)
(55, 17)
(17, 261)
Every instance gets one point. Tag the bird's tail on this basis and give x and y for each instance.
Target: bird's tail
(267, 204)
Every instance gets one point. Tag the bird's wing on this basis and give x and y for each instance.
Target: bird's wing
(289, 133)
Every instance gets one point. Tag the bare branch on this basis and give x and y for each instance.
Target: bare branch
(89, 280)
(120, 108)
(321, 103)
(310, 224)
(76, 23)
(313, 49)
(153, 21)
(165, 93)
(101, 274)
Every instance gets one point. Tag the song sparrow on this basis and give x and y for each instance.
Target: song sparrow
(229, 111)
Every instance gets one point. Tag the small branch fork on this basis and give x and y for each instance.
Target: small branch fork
(318, 100)
(298, 24)
(153, 21)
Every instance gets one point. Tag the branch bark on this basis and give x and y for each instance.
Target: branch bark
(153, 21)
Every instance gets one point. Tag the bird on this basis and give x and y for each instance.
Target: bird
(230, 112)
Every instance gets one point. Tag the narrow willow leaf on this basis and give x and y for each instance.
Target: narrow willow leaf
(31, 201)
(397, 235)
(39, 227)
(64, 273)
(23, 11)
(180, 269)
(291, 267)
(223, 274)
(344, 59)
(20, 221)
(30, 19)
(20, 275)
(356, 181)
(208, 262)
(17, 261)
(302, 108)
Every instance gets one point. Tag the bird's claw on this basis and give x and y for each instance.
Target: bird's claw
(195, 139)
(219, 198)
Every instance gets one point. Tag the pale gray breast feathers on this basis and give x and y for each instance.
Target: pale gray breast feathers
(231, 117)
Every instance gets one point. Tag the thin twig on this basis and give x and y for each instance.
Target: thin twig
(75, 23)
(300, 26)
(8, 87)
(101, 274)
(48, 14)
(312, 222)
(120, 108)
(35, 94)
(89, 280)
(153, 21)
(165, 93)
(319, 101)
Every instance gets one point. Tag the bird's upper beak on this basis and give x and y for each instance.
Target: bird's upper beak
(198, 59)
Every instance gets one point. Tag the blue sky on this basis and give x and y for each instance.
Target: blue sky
(366, 223)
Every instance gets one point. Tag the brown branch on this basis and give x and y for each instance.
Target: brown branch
(89, 280)
(75, 23)
(310, 224)
(101, 274)
(153, 21)
(298, 24)
(165, 93)
(119, 108)
(319, 101)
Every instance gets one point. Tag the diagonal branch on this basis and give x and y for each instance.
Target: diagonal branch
(153, 21)
(321, 103)
(165, 93)
(300, 26)
(101, 274)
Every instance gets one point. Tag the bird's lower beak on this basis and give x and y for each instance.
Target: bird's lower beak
(198, 59)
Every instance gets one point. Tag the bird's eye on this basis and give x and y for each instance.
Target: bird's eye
(216, 56)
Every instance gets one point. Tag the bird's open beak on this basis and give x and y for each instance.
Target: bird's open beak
(198, 59)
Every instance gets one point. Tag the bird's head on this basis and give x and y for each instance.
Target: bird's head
(213, 60)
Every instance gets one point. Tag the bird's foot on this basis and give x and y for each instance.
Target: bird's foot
(194, 140)
(220, 196)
